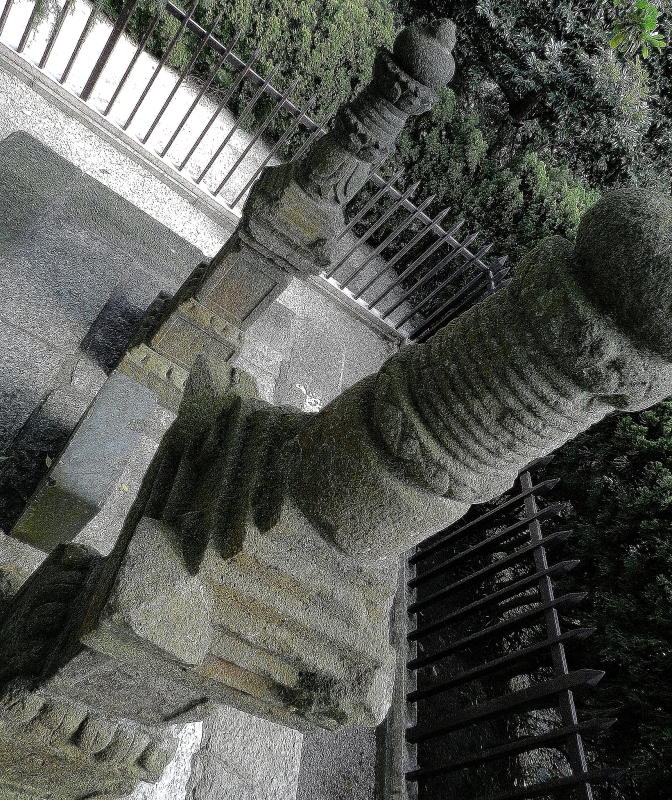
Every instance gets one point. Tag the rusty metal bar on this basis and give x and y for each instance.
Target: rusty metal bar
(160, 65)
(462, 249)
(424, 331)
(485, 572)
(462, 269)
(60, 19)
(404, 250)
(469, 296)
(369, 205)
(433, 247)
(477, 291)
(438, 541)
(518, 700)
(401, 227)
(509, 590)
(515, 747)
(138, 52)
(203, 90)
(285, 136)
(434, 270)
(183, 75)
(80, 42)
(264, 125)
(115, 34)
(245, 113)
(459, 271)
(410, 206)
(514, 623)
(497, 665)
(5, 14)
(485, 545)
(236, 62)
(576, 752)
(29, 26)
(229, 94)
(380, 222)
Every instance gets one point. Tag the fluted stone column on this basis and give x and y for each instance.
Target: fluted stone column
(259, 565)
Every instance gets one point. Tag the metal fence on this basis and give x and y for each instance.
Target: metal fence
(395, 260)
(491, 693)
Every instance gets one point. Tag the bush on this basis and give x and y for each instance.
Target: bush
(328, 44)
(514, 204)
(618, 478)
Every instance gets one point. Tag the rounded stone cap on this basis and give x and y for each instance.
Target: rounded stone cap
(424, 52)
(624, 264)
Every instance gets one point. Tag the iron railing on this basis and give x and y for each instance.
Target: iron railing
(489, 680)
(403, 265)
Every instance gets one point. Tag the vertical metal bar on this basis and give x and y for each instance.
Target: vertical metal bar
(440, 319)
(269, 118)
(5, 14)
(222, 103)
(388, 240)
(285, 136)
(441, 287)
(115, 34)
(138, 52)
(182, 77)
(29, 26)
(576, 753)
(434, 271)
(411, 268)
(321, 128)
(381, 221)
(54, 34)
(245, 113)
(159, 66)
(410, 572)
(203, 90)
(407, 247)
(82, 38)
(369, 205)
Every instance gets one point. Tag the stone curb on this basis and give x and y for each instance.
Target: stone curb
(15, 65)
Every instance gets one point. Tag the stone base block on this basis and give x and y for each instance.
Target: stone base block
(287, 629)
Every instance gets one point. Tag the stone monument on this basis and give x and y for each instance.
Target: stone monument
(258, 565)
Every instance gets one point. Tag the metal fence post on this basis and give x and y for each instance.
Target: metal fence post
(115, 35)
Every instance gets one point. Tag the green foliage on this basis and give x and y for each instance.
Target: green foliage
(514, 204)
(556, 87)
(329, 45)
(618, 478)
(637, 29)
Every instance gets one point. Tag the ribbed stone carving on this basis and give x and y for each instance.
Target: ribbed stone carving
(285, 527)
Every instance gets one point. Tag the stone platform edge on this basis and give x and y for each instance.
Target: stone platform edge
(12, 63)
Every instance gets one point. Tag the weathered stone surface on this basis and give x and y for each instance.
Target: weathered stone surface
(291, 523)
(295, 211)
(53, 747)
(245, 758)
(17, 562)
(78, 267)
(81, 479)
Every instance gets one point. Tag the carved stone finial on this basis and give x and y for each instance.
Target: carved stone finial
(424, 51)
(625, 240)
(278, 531)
